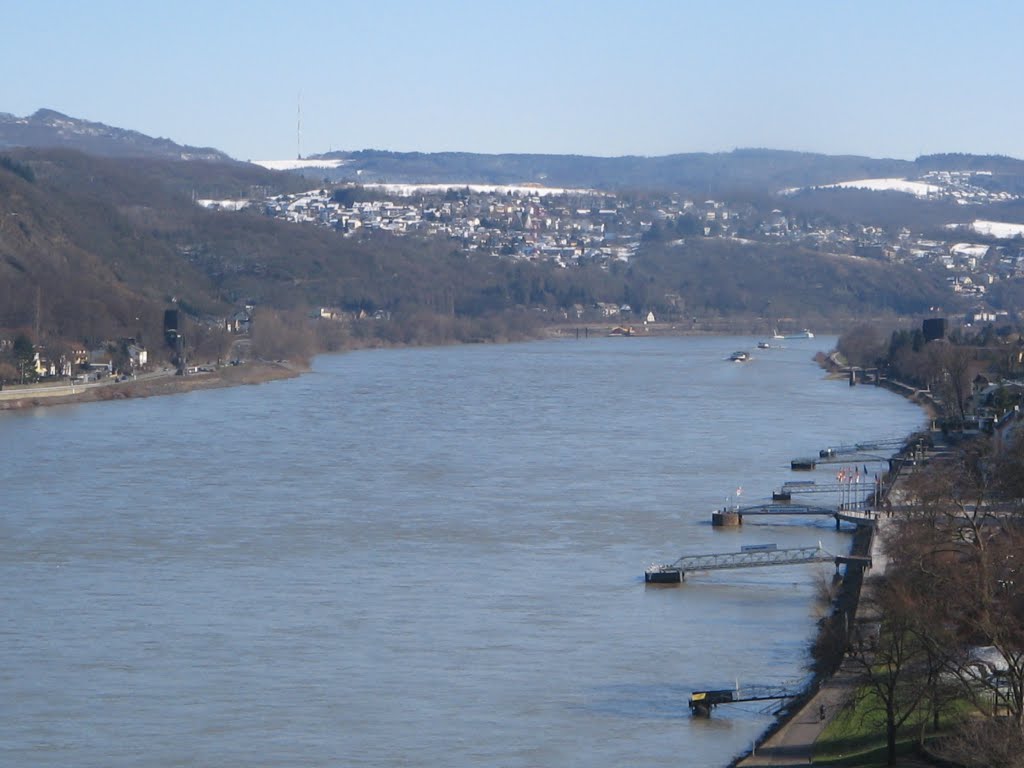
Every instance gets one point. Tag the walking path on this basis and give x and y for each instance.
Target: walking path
(793, 743)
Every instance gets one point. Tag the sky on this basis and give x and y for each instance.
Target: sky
(272, 80)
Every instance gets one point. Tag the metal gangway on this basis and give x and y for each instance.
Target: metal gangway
(837, 451)
(855, 453)
(776, 508)
(702, 702)
(757, 556)
(798, 487)
(855, 492)
(855, 512)
(809, 463)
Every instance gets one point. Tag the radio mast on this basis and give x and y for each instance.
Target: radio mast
(298, 128)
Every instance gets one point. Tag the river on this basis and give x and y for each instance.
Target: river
(415, 557)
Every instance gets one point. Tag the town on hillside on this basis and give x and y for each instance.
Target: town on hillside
(573, 227)
(560, 229)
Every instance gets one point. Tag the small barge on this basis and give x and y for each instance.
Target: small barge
(663, 574)
(702, 702)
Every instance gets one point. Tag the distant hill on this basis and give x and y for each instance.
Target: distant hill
(744, 168)
(964, 162)
(100, 231)
(47, 128)
(95, 248)
(741, 171)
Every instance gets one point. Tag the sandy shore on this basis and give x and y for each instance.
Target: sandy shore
(227, 376)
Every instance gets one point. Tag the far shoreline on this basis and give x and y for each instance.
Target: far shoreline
(264, 371)
(255, 372)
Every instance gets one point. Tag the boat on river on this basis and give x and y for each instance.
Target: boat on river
(804, 334)
(739, 357)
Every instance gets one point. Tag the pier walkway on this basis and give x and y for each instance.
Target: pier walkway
(793, 743)
(731, 516)
(702, 702)
(751, 557)
(888, 445)
(801, 487)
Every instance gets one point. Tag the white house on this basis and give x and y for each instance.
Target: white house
(138, 355)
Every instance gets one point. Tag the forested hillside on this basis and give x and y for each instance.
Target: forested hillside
(96, 248)
(741, 168)
(763, 280)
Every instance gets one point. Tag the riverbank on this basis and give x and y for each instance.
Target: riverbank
(922, 397)
(791, 739)
(152, 385)
(261, 371)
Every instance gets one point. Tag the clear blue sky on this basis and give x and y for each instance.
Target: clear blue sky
(647, 77)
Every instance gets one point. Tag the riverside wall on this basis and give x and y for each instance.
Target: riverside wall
(831, 640)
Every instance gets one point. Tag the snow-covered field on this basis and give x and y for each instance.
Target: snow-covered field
(224, 205)
(968, 250)
(997, 228)
(405, 190)
(916, 188)
(294, 165)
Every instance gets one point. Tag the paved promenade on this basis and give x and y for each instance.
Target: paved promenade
(793, 743)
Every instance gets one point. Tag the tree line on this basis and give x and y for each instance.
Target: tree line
(939, 645)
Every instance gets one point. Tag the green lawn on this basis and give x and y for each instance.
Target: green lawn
(856, 738)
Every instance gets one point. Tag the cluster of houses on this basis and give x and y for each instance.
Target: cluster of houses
(965, 187)
(569, 227)
(78, 363)
(532, 223)
(994, 401)
(562, 226)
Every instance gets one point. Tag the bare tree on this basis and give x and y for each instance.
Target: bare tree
(208, 342)
(949, 365)
(958, 542)
(985, 744)
(892, 653)
(277, 335)
(863, 345)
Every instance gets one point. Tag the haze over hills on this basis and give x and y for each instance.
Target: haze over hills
(762, 169)
(100, 231)
(48, 128)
